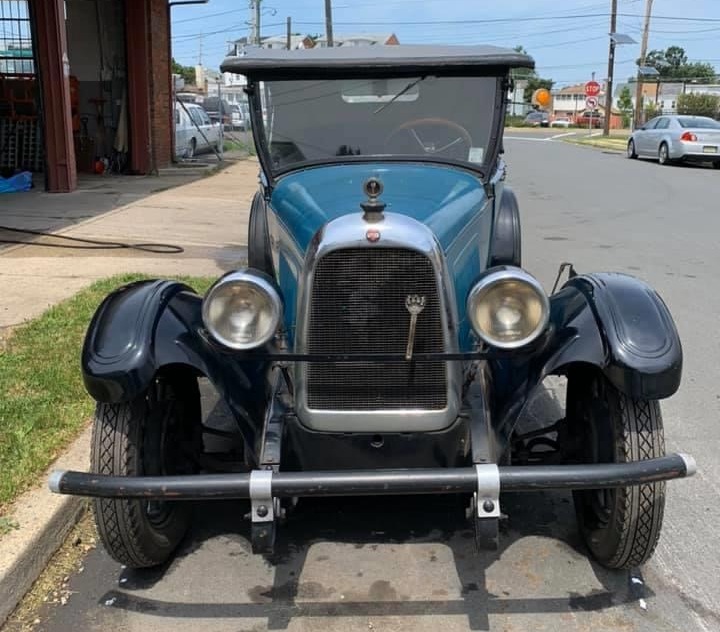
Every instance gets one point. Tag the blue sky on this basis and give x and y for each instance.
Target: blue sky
(566, 48)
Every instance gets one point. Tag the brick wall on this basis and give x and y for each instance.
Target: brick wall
(160, 84)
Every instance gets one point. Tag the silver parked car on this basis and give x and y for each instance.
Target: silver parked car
(194, 131)
(677, 138)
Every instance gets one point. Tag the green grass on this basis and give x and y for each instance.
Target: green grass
(617, 143)
(43, 403)
(237, 145)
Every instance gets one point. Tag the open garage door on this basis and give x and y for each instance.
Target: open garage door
(21, 146)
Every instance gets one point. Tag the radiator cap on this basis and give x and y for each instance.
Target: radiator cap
(373, 207)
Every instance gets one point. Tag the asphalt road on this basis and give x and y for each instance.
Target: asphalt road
(409, 564)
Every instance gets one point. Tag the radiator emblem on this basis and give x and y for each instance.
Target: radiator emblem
(372, 235)
(415, 304)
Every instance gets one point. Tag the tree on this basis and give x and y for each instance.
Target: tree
(529, 75)
(672, 64)
(186, 72)
(625, 105)
(697, 104)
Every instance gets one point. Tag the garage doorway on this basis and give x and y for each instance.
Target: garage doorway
(21, 145)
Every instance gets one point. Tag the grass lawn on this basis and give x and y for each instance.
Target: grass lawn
(618, 143)
(43, 403)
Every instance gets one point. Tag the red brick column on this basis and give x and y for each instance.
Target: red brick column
(149, 84)
(137, 36)
(53, 69)
(161, 107)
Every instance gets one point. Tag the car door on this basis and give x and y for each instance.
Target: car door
(658, 133)
(642, 136)
(212, 131)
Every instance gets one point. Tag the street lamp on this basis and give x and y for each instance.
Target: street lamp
(616, 39)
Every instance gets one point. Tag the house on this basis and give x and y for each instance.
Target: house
(361, 39)
(516, 105)
(662, 95)
(276, 42)
(570, 101)
(296, 42)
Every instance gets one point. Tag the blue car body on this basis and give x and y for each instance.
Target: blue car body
(383, 338)
(450, 202)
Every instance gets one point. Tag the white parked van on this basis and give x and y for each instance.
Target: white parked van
(188, 139)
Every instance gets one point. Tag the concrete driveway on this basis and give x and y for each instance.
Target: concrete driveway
(409, 564)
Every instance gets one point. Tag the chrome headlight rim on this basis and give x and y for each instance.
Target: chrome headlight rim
(259, 281)
(501, 274)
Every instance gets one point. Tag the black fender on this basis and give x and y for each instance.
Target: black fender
(259, 249)
(506, 244)
(614, 322)
(144, 327)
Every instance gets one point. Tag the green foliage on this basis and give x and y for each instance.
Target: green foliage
(625, 105)
(625, 102)
(672, 64)
(534, 81)
(44, 404)
(699, 105)
(186, 72)
(651, 111)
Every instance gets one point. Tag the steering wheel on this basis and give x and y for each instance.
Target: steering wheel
(458, 146)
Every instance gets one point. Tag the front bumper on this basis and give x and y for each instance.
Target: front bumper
(375, 482)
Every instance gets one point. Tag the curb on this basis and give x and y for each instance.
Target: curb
(44, 521)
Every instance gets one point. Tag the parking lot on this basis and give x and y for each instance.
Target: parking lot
(409, 563)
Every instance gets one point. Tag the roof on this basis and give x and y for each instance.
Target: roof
(666, 89)
(578, 88)
(378, 59)
(379, 38)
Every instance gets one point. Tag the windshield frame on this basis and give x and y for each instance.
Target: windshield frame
(483, 170)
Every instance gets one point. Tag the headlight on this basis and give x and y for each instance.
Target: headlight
(508, 308)
(242, 310)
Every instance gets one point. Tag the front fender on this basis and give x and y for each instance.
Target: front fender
(614, 322)
(145, 326)
(636, 342)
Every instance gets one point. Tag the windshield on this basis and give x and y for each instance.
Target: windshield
(699, 122)
(447, 119)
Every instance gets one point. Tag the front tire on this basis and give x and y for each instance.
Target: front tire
(621, 527)
(631, 153)
(147, 436)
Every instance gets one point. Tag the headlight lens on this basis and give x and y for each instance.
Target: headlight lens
(242, 310)
(508, 308)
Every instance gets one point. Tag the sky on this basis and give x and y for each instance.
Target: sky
(569, 39)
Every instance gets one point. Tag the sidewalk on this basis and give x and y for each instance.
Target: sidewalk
(207, 217)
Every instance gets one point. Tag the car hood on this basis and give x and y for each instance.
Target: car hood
(443, 198)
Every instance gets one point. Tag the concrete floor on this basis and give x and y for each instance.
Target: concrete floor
(205, 216)
(409, 564)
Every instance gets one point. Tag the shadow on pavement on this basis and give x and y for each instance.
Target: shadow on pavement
(367, 523)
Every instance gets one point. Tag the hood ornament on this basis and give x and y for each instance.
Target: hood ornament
(415, 304)
(373, 207)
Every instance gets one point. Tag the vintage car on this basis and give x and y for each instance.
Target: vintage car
(384, 337)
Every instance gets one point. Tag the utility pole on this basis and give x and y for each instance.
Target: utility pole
(256, 22)
(611, 70)
(289, 33)
(328, 23)
(643, 54)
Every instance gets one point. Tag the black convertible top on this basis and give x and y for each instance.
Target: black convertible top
(266, 63)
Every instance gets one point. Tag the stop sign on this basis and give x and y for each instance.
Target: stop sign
(592, 89)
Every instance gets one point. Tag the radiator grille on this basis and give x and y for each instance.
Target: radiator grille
(358, 306)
